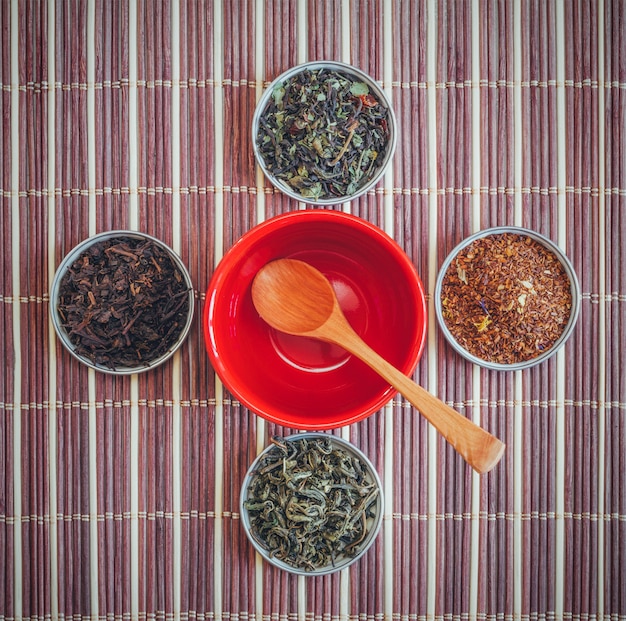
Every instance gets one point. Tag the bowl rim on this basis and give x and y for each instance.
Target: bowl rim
(346, 68)
(72, 255)
(221, 272)
(574, 288)
(371, 535)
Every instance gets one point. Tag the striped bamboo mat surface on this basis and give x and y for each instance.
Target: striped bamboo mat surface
(119, 496)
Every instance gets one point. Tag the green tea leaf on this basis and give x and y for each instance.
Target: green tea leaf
(315, 116)
(359, 88)
(310, 503)
(278, 94)
(313, 191)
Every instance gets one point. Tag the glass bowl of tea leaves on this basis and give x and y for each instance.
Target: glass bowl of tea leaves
(507, 298)
(122, 302)
(311, 503)
(324, 132)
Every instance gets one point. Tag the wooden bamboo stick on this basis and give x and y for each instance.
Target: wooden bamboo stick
(77, 501)
(6, 379)
(405, 480)
(30, 177)
(230, 573)
(616, 431)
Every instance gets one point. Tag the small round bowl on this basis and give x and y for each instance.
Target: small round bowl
(252, 517)
(58, 321)
(526, 289)
(301, 382)
(373, 173)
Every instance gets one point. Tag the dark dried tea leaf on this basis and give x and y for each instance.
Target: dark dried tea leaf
(310, 502)
(323, 134)
(506, 298)
(123, 302)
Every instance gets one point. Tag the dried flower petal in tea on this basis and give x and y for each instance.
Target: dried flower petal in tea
(506, 298)
(310, 502)
(323, 133)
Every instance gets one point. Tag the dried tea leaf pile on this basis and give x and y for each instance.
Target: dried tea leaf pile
(323, 134)
(123, 302)
(310, 502)
(506, 298)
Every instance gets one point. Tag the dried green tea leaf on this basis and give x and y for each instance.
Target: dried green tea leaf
(310, 502)
(329, 124)
(359, 88)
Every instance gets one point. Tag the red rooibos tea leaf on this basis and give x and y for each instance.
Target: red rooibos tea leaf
(506, 298)
(123, 302)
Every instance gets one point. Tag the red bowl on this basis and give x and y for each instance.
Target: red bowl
(300, 382)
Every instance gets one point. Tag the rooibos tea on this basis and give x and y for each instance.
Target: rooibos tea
(506, 298)
(123, 302)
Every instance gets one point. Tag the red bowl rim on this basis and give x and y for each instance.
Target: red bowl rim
(240, 246)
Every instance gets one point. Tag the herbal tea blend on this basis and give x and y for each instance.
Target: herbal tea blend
(506, 298)
(323, 133)
(123, 302)
(309, 502)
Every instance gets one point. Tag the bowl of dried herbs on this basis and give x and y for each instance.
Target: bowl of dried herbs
(507, 298)
(122, 302)
(311, 503)
(324, 132)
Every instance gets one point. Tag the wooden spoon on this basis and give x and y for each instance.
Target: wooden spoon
(295, 298)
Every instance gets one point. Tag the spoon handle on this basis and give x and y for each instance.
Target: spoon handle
(481, 450)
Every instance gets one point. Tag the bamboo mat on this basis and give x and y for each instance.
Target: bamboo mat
(119, 496)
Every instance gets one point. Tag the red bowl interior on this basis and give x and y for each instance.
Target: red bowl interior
(300, 382)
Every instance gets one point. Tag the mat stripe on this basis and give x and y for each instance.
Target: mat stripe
(561, 181)
(218, 110)
(133, 224)
(602, 319)
(52, 360)
(431, 116)
(177, 375)
(15, 289)
(92, 429)
(343, 608)
(517, 448)
(475, 410)
(387, 225)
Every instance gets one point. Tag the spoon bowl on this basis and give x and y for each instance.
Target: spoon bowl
(294, 297)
